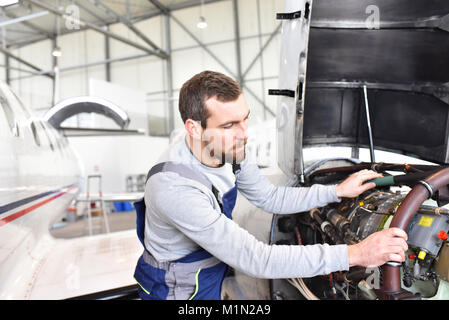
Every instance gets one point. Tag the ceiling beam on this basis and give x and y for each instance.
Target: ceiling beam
(24, 18)
(24, 62)
(167, 12)
(135, 19)
(127, 23)
(238, 51)
(93, 14)
(92, 26)
(28, 24)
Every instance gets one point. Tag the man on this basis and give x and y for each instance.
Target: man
(188, 232)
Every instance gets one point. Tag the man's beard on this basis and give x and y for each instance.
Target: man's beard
(234, 157)
(231, 156)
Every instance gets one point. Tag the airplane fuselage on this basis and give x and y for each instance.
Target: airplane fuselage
(39, 177)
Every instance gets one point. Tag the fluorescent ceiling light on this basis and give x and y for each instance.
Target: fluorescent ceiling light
(4, 3)
(202, 24)
(57, 52)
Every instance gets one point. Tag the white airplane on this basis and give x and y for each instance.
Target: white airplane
(347, 78)
(40, 175)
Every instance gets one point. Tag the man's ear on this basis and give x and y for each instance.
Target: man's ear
(194, 129)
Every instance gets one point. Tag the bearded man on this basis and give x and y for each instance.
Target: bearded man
(185, 220)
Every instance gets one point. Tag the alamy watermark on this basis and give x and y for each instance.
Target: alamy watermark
(373, 19)
(374, 277)
(71, 15)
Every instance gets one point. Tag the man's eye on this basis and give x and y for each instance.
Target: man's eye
(229, 126)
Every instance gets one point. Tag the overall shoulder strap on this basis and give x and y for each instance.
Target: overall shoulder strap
(187, 172)
(182, 170)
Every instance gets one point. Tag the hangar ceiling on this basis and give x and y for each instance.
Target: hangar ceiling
(40, 16)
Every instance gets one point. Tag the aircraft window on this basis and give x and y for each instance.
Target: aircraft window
(42, 138)
(53, 135)
(47, 135)
(35, 134)
(10, 117)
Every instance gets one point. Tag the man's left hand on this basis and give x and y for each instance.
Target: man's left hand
(354, 184)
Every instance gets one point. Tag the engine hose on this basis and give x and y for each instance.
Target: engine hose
(438, 211)
(379, 167)
(404, 215)
(403, 179)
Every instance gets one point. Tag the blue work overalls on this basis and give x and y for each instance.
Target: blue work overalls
(208, 272)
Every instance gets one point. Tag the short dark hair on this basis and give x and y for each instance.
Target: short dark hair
(199, 88)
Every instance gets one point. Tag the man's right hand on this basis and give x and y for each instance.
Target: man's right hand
(379, 248)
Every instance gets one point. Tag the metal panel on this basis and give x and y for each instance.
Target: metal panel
(403, 64)
(403, 122)
(292, 76)
(385, 56)
(389, 11)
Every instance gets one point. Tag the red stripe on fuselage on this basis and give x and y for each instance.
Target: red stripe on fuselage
(23, 212)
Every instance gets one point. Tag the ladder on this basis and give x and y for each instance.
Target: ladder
(98, 198)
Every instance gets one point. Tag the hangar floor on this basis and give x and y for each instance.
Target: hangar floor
(118, 221)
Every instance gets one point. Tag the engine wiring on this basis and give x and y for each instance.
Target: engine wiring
(352, 220)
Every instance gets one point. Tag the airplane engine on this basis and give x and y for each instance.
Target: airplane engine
(422, 275)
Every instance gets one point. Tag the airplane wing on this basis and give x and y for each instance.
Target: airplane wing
(114, 197)
(86, 265)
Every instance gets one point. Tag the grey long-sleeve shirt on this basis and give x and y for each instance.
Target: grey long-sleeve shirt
(183, 214)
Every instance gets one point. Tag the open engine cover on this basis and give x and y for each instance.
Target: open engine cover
(398, 49)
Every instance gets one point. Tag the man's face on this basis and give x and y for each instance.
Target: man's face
(225, 136)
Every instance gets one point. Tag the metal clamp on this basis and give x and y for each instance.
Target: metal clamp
(281, 92)
(288, 16)
(428, 186)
